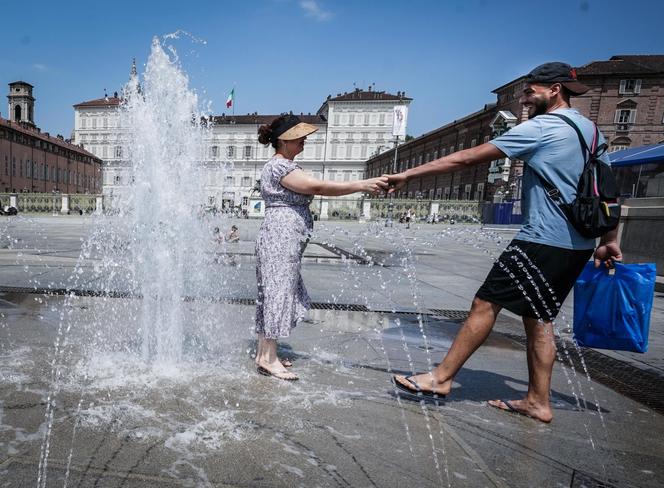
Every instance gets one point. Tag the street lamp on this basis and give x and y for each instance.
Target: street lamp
(390, 206)
(327, 126)
(54, 191)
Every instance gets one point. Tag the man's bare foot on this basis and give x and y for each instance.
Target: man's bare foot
(542, 413)
(426, 382)
(277, 370)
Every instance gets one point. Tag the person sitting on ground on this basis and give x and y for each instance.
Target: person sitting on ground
(233, 235)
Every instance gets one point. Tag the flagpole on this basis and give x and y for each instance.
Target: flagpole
(234, 97)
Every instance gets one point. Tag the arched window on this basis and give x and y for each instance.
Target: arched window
(17, 113)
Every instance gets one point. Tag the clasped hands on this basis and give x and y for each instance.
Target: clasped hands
(386, 183)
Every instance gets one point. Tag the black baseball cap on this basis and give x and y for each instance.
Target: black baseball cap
(556, 72)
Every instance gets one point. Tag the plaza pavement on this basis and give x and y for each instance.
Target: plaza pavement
(212, 421)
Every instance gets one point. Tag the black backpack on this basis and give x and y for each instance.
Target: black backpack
(595, 209)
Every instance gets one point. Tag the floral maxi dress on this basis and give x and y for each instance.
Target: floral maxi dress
(282, 298)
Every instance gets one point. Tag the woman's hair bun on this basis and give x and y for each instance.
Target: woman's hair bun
(264, 134)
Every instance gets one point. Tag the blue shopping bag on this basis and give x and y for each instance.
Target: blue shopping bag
(612, 309)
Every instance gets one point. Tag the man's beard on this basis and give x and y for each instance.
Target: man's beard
(540, 106)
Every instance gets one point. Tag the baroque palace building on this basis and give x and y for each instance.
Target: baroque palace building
(32, 161)
(625, 100)
(352, 127)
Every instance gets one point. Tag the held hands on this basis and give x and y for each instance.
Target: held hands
(374, 185)
(385, 183)
(607, 253)
(396, 182)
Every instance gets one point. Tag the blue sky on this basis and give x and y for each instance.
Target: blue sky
(290, 54)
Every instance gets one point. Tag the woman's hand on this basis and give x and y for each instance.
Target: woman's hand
(374, 185)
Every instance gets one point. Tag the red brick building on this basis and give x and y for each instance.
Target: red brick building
(34, 161)
(626, 101)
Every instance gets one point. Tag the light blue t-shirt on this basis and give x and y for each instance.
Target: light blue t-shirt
(550, 148)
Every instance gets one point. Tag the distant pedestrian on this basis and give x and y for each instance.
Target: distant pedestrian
(552, 152)
(216, 235)
(288, 191)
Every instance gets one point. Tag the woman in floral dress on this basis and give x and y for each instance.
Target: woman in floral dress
(287, 192)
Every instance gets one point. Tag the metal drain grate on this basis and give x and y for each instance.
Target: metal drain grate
(459, 315)
(239, 301)
(64, 291)
(348, 307)
(643, 386)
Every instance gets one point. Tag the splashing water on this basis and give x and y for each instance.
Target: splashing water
(164, 145)
(153, 245)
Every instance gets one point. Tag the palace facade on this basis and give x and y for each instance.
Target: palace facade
(32, 161)
(352, 127)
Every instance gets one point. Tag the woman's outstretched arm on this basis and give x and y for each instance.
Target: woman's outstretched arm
(300, 182)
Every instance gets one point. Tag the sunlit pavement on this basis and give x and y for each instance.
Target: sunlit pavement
(211, 420)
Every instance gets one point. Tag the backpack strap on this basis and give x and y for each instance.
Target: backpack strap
(550, 189)
(582, 140)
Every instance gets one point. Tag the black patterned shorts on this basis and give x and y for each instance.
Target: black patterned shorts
(533, 280)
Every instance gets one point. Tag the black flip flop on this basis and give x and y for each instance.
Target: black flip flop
(286, 363)
(266, 372)
(416, 390)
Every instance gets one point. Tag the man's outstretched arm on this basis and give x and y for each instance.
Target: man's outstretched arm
(483, 153)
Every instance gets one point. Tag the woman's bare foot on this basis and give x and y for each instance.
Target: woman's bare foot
(277, 370)
(426, 382)
(267, 361)
(535, 411)
(287, 363)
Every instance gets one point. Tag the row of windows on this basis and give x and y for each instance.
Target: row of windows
(104, 152)
(248, 181)
(360, 119)
(335, 151)
(98, 122)
(457, 192)
(95, 136)
(44, 172)
(247, 152)
(42, 145)
(364, 136)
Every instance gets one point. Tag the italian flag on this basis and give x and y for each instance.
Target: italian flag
(231, 97)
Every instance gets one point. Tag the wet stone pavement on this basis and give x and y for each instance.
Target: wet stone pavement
(210, 420)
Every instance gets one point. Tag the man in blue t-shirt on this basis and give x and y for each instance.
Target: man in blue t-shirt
(537, 270)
